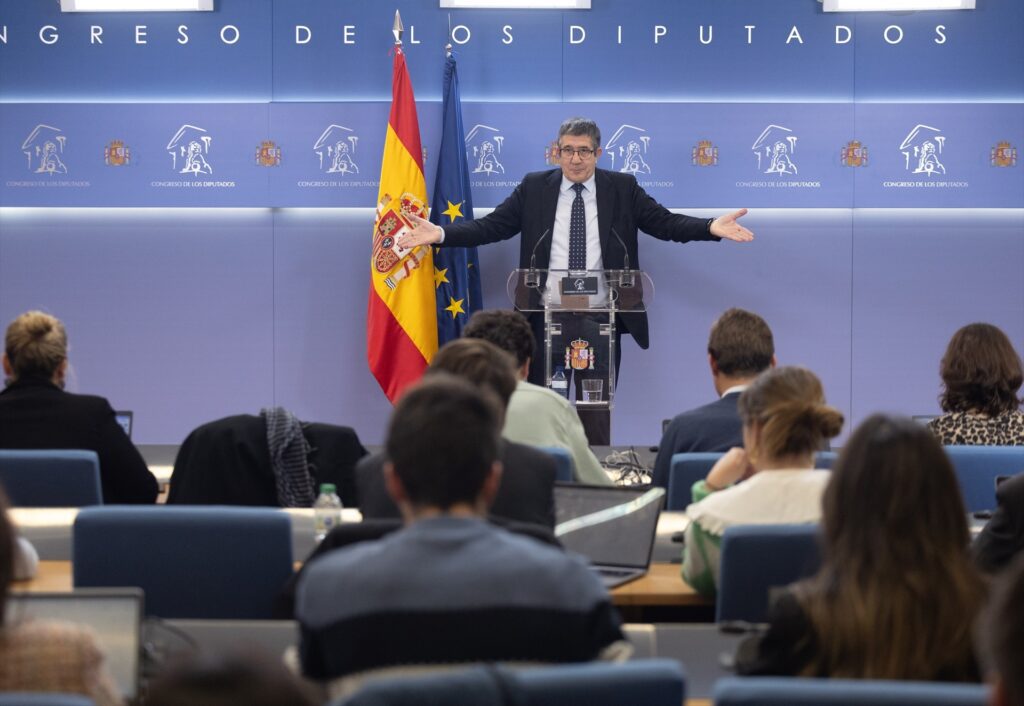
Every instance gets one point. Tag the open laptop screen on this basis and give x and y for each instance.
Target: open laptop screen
(114, 614)
(611, 526)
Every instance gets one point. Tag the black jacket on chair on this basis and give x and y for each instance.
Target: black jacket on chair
(227, 462)
(36, 414)
(1003, 537)
(526, 493)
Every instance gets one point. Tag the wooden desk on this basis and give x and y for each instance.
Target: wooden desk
(662, 586)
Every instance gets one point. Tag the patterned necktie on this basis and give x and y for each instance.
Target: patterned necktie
(577, 232)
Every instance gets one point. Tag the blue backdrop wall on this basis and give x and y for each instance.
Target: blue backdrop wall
(192, 192)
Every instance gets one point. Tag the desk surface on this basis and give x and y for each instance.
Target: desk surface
(662, 586)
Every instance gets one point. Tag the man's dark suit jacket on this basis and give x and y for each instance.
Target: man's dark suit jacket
(713, 427)
(36, 414)
(526, 493)
(621, 204)
(1003, 537)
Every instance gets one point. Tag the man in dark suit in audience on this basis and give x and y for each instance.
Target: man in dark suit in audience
(526, 493)
(740, 348)
(449, 587)
(1003, 537)
(1005, 633)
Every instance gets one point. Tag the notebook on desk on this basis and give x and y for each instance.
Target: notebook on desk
(114, 614)
(613, 527)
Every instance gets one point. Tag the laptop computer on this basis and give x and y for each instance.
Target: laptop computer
(124, 418)
(114, 614)
(614, 527)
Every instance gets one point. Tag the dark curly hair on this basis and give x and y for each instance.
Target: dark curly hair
(980, 371)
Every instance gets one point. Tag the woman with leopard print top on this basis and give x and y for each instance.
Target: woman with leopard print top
(981, 376)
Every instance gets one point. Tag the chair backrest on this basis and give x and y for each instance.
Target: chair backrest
(791, 691)
(688, 468)
(14, 698)
(976, 470)
(191, 562)
(655, 682)
(757, 558)
(564, 466)
(51, 478)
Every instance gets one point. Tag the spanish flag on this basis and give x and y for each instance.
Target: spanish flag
(401, 320)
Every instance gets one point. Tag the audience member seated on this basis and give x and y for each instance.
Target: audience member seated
(740, 348)
(536, 415)
(897, 596)
(785, 420)
(981, 376)
(1006, 638)
(36, 412)
(246, 678)
(270, 459)
(450, 587)
(527, 486)
(39, 656)
(1002, 538)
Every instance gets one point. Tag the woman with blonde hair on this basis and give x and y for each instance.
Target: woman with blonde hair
(785, 421)
(36, 412)
(897, 595)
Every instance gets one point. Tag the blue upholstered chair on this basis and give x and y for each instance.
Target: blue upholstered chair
(565, 469)
(656, 682)
(51, 478)
(688, 468)
(191, 561)
(787, 691)
(977, 467)
(758, 558)
(16, 698)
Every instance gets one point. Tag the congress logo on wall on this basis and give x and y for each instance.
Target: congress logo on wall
(627, 150)
(483, 147)
(44, 147)
(268, 154)
(188, 150)
(921, 149)
(854, 154)
(336, 148)
(774, 150)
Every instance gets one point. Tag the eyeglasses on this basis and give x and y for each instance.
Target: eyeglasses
(583, 153)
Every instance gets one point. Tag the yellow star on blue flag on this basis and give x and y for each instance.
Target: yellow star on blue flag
(454, 210)
(455, 307)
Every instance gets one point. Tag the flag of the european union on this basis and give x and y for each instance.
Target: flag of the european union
(456, 270)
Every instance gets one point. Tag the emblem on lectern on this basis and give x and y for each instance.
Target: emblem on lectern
(392, 222)
(579, 355)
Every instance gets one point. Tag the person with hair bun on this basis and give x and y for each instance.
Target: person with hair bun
(785, 421)
(897, 596)
(36, 412)
(981, 379)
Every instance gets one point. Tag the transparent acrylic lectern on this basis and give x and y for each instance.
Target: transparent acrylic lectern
(580, 301)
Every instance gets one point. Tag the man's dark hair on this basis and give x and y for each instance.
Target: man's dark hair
(981, 372)
(1006, 631)
(741, 343)
(443, 439)
(580, 126)
(508, 330)
(482, 363)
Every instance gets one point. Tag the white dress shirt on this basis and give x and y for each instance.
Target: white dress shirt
(560, 233)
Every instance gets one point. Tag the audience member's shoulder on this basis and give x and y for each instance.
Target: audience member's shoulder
(70, 639)
(566, 574)
(530, 389)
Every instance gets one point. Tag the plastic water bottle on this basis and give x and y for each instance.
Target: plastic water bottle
(558, 382)
(326, 511)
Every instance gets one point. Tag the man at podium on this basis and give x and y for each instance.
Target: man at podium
(578, 217)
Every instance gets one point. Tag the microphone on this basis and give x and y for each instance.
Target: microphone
(626, 277)
(532, 277)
